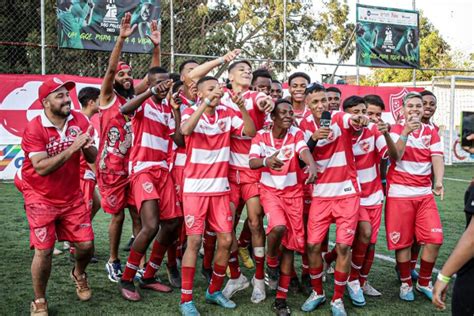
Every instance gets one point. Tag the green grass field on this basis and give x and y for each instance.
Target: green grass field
(15, 279)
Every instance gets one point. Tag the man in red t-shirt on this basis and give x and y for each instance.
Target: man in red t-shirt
(53, 143)
(208, 128)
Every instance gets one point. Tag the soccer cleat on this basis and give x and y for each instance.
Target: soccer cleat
(139, 274)
(244, 255)
(281, 308)
(426, 290)
(295, 285)
(83, 290)
(39, 307)
(173, 276)
(406, 292)
(258, 293)
(154, 284)
(306, 284)
(188, 309)
(355, 293)
(219, 299)
(337, 308)
(235, 285)
(313, 301)
(271, 277)
(414, 275)
(129, 244)
(207, 274)
(128, 290)
(114, 270)
(369, 290)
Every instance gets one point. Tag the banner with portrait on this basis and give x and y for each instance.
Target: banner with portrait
(387, 37)
(95, 24)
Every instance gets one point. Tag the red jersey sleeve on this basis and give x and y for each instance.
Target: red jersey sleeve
(436, 146)
(237, 124)
(380, 142)
(33, 141)
(256, 149)
(186, 114)
(300, 143)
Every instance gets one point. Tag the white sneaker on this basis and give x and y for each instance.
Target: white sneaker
(235, 285)
(258, 293)
(337, 308)
(369, 290)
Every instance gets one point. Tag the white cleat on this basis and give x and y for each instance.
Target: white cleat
(369, 290)
(235, 285)
(258, 293)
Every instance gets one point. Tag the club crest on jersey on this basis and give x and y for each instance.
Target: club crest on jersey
(395, 237)
(189, 220)
(286, 153)
(41, 233)
(330, 136)
(73, 131)
(148, 187)
(112, 200)
(426, 140)
(364, 146)
(222, 125)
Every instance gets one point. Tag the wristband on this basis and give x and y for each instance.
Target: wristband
(207, 101)
(153, 91)
(264, 162)
(221, 60)
(443, 278)
(404, 138)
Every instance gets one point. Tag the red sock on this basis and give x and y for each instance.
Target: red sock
(316, 275)
(359, 249)
(330, 256)
(132, 265)
(245, 236)
(187, 279)
(209, 249)
(340, 281)
(304, 264)
(283, 284)
(156, 257)
(272, 262)
(426, 269)
(259, 256)
(217, 279)
(234, 265)
(369, 259)
(405, 275)
(171, 253)
(414, 256)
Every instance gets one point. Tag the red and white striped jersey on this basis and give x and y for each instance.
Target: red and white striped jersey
(369, 148)
(286, 182)
(337, 176)
(411, 176)
(308, 126)
(152, 126)
(86, 172)
(179, 153)
(240, 145)
(208, 151)
(299, 116)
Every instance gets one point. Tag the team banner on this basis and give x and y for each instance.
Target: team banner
(387, 37)
(95, 24)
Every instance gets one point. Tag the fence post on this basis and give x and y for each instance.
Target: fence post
(43, 35)
(285, 74)
(414, 69)
(451, 120)
(171, 36)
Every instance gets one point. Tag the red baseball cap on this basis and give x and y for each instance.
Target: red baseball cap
(51, 85)
(122, 66)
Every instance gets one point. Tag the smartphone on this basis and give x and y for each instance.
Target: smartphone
(467, 128)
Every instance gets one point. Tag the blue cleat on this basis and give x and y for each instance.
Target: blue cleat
(337, 308)
(313, 301)
(414, 275)
(219, 299)
(406, 293)
(426, 290)
(188, 309)
(356, 294)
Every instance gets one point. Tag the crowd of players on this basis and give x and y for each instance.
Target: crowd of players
(186, 154)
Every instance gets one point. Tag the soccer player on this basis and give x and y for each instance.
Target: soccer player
(115, 142)
(334, 98)
(335, 198)
(411, 210)
(429, 108)
(208, 127)
(370, 146)
(278, 151)
(151, 184)
(53, 143)
(261, 81)
(276, 92)
(297, 83)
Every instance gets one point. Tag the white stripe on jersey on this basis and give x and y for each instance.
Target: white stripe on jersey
(180, 159)
(209, 157)
(337, 160)
(336, 133)
(333, 189)
(373, 199)
(367, 175)
(141, 165)
(158, 116)
(209, 185)
(401, 190)
(413, 167)
(239, 160)
(154, 142)
(278, 182)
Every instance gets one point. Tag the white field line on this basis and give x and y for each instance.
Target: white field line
(457, 180)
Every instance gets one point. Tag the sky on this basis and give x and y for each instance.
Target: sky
(453, 18)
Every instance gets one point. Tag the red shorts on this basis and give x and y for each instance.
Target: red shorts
(156, 184)
(407, 218)
(244, 185)
(373, 215)
(47, 222)
(288, 212)
(344, 212)
(307, 197)
(177, 173)
(88, 188)
(213, 210)
(115, 192)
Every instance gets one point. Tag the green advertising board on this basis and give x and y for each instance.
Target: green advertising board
(387, 37)
(95, 24)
